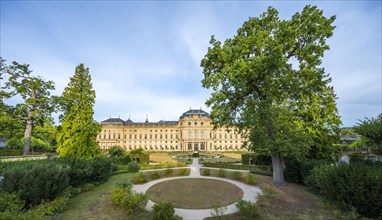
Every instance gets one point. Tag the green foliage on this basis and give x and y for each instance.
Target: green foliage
(37, 104)
(236, 175)
(256, 159)
(51, 208)
(371, 129)
(247, 210)
(133, 167)
(283, 109)
(250, 179)
(268, 191)
(77, 136)
(155, 175)
(134, 203)
(116, 151)
(141, 178)
(97, 169)
(298, 171)
(218, 211)
(221, 173)
(7, 152)
(36, 181)
(183, 172)
(195, 155)
(14, 143)
(163, 211)
(168, 172)
(137, 151)
(123, 160)
(119, 193)
(10, 202)
(355, 186)
(228, 166)
(361, 143)
(206, 172)
(162, 165)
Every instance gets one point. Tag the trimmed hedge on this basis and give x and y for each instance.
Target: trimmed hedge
(257, 159)
(16, 152)
(256, 169)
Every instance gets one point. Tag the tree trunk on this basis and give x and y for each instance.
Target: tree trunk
(27, 136)
(278, 173)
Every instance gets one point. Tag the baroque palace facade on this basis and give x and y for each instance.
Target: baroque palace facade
(192, 132)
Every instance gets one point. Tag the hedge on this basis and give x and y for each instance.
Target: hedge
(355, 186)
(257, 159)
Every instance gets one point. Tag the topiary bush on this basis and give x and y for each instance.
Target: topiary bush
(141, 178)
(221, 173)
(79, 171)
(206, 172)
(182, 172)
(133, 167)
(155, 175)
(36, 181)
(168, 172)
(236, 175)
(116, 151)
(163, 210)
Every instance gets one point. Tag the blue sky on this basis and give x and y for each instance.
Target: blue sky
(144, 57)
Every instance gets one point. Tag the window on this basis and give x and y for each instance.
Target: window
(195, 123)
(189, 123)
(201, 134)
(201, 123)
(195, 134)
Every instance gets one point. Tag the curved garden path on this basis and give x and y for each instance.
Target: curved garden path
(250, 193)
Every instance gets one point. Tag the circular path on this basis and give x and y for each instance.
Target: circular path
(250, 194)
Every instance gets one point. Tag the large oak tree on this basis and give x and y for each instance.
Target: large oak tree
(268, 81)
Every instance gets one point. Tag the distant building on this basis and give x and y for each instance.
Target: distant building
(192, 132)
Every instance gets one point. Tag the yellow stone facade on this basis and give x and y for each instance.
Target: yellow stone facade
(192, 132)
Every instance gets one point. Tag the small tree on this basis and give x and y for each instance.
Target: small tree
(371, 129)
(78, 133)
(37, 101)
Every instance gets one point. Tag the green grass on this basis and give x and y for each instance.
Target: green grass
(94, 204)
(195, 193)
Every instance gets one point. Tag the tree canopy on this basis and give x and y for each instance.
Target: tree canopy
(37, 103)
(371, 129)
(268, 81)
(78, 132)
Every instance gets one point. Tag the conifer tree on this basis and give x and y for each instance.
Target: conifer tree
(78, 132)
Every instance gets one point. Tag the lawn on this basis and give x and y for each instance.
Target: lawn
(195, 193)
(94, 204)
(161, 158)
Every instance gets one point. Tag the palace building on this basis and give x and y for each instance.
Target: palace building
(192, 132)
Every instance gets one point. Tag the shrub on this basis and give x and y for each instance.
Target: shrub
(36, 181)
(133, 167)
(355, 186)
(134, 203)
(168, 172)
(101, 169)
(50, 208)
(247, 210)
(221, 173)
(10, 202)
(119, 193)
(141, 178)
(137, 151)
(163, 210)
(122, 160)
(155, 175)
(79, 171)
(206, 172)
(236, 175)
(250, 179)
(182, 172)
(116, 151)
(218, 211)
